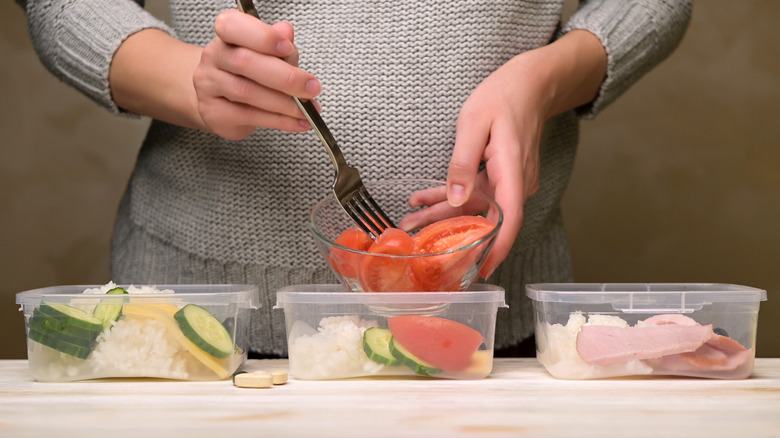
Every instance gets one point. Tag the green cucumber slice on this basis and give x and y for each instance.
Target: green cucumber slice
(413, 362)
(110, 309)
(204, 330)
(72, 316)
(83, 341)
(43, 323)
(58, 344)
(376, 344)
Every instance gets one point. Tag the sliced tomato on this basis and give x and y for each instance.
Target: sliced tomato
(443, 343)
(388, 274)
(445, 272)
(344, 262)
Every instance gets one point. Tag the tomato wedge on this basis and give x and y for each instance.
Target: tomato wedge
(388, 274)
(443, 343)
(445, 272)
(347, 263)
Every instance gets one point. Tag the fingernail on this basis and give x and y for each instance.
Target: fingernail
(408, 226)
(313, 86)
(456, 195)
(284, 48)
(304, 124)
(218, 23)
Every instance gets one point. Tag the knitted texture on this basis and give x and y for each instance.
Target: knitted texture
(76, 40)
(200, 209)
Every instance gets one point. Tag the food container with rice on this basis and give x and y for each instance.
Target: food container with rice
(182, 332)
(597, 330)
(333, 333)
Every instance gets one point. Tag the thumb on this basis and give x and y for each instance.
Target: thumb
(470, 143)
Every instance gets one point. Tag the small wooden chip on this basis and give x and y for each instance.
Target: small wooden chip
(279, 377)
(258, 379)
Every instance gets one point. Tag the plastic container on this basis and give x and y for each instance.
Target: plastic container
(588, 331)
(142, 333)
(427, 334)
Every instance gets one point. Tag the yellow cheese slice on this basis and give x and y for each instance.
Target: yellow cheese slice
(164, 313)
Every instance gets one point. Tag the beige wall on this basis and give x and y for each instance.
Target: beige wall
(679, 181)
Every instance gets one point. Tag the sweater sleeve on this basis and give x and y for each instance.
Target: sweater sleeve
(76, 39)
(637, 36)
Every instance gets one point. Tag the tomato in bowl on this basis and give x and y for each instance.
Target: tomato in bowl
(435, 248)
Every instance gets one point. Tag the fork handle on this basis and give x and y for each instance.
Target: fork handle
(322, 131)
(308, 108)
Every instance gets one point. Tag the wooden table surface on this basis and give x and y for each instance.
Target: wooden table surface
(518, 399)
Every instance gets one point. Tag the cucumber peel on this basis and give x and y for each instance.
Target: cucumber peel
(44, 322)
(204, 330)
(63, 346)
(110, 309)
(71, 316)
(376, 345)
(64, 328)
(411, 361)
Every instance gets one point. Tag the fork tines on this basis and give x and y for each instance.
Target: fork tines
(365, 212)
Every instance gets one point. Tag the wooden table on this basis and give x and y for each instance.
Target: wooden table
(518, 399)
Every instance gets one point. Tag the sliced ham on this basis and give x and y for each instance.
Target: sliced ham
(725, 344)
(738, 365)
(603, 345)
(670, 318)
(705, 357)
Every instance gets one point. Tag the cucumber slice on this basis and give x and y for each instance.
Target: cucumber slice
(58, 344)
(413, 362)
(43, 323)
(204, 330)
(376, 344)
(67, 336)
(110, 309)
(72, 316)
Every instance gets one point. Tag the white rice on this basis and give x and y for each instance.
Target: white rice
(139, 348)
(130, 289)
(560, 356)
(334, 351)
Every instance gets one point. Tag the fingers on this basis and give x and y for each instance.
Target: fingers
(506, 178)
(234, 121)
(437, 208)
(287, 32)
(472, 133)
(246, 76)
(239, 89)
(255, 50)
(239, 29)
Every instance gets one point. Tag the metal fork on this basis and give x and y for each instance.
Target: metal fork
(348, 186)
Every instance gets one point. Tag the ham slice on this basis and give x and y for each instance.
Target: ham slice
(670, 318)
(603, 345)
(738, 365)
(670, 344)
(719, 353)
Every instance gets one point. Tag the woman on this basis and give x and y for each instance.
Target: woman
(477, 93)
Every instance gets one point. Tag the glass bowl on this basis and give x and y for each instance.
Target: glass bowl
(412, 204)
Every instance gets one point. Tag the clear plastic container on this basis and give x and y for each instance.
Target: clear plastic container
(142, 332)
(333, 334)
(595, 330)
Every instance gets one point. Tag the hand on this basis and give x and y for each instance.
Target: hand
(246, 76)
(501, 124)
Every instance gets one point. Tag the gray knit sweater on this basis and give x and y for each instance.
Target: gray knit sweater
(201, 209)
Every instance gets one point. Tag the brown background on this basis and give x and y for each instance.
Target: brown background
(678, 181)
